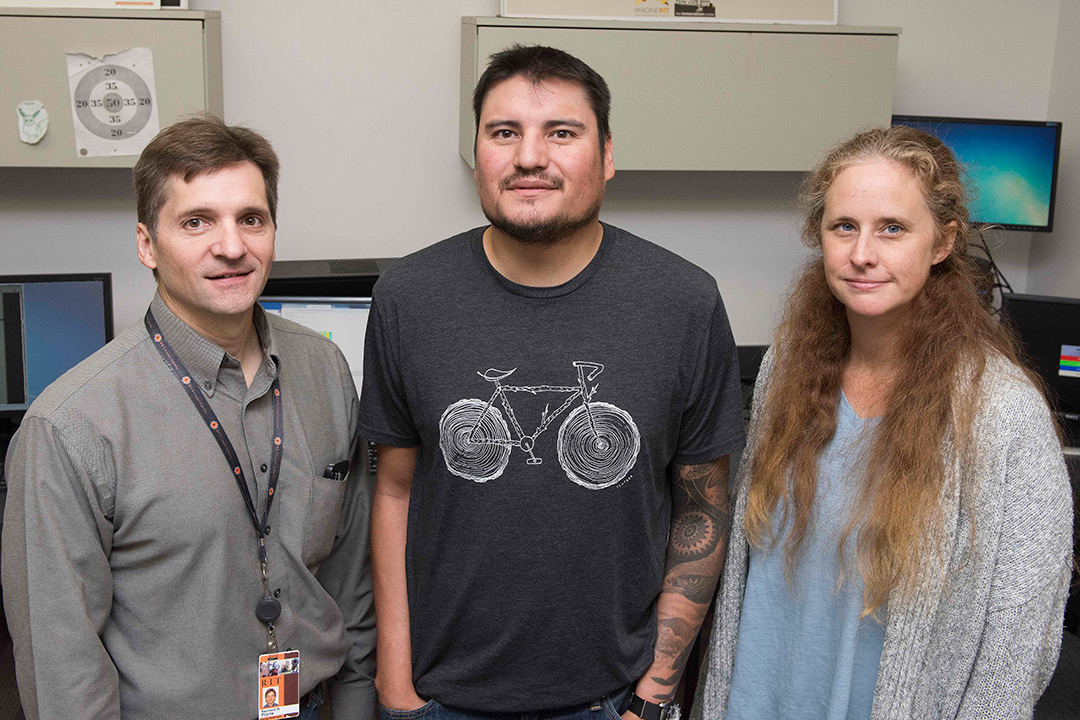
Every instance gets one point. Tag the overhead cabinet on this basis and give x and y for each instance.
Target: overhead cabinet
(186, 53)
(711, 96)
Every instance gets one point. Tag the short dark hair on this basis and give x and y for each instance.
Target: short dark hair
(537, 63)
(193, 146)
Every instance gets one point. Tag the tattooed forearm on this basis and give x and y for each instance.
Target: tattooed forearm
(694, 587)
(671, 680)
(699, 511)
(693, 535)
(670, 642)
(700, 520)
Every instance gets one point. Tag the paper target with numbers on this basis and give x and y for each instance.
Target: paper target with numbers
(113, 102)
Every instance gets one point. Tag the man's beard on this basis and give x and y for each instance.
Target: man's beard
(547, 231)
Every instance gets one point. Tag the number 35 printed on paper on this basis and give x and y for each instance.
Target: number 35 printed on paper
(113, 102)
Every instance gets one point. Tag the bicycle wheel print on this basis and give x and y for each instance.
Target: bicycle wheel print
(599, 459)
(485, 457)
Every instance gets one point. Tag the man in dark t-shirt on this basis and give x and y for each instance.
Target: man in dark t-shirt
(554, 401)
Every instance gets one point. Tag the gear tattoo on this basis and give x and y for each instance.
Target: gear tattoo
(694, 534)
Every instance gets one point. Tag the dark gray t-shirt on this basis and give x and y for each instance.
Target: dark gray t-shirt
(547, 419)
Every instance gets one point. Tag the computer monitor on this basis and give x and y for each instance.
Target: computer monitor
(343, 320)
(1011, 166)
(49, 324)
(1049, 328)
(329, 296)
(332, 297)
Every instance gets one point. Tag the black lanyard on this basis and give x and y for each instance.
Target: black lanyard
(268, 609)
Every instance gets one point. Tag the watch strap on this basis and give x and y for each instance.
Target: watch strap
(648, 710)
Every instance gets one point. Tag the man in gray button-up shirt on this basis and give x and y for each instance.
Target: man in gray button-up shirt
(131, 561)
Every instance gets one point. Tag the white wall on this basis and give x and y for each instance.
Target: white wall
(1055, 259)
(74, 220)
(362, 106)
(970, 58)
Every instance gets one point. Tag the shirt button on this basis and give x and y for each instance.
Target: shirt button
(206, 384)
(262, 468)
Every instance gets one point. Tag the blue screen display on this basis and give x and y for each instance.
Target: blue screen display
(1009, 167)
(65, 324)
(50, 323)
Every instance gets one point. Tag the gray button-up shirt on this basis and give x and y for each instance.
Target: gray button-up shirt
(130, 563)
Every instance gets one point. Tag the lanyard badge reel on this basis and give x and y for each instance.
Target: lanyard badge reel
(267, 609)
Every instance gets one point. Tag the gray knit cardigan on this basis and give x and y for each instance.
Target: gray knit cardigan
(982, 639)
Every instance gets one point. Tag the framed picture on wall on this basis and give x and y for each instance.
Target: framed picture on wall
(817, 12)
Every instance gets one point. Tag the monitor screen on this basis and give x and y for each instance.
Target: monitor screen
(1011, 166)
(1049, 328)
(49, 324)
(343, 320)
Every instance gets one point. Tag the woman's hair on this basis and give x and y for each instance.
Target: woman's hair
(896, 513)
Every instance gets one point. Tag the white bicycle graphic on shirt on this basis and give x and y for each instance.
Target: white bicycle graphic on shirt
(598, 442)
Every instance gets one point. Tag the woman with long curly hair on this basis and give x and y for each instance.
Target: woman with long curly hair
(902, 530)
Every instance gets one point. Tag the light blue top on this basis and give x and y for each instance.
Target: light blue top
(803, 651)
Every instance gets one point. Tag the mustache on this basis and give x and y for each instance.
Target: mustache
(555, 182)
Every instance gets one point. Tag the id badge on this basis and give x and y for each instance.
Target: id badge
(279, 685)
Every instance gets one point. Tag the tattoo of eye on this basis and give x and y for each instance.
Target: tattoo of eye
(694, 535)
(695, 588)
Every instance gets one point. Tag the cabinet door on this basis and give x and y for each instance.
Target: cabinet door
(32, 53)
(722, 100)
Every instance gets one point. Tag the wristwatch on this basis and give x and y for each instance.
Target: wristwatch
(649, 710)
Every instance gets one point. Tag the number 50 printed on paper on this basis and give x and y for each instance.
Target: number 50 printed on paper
(113, 102)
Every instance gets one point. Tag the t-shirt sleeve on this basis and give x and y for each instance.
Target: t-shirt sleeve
(384, 408)
(712, 424)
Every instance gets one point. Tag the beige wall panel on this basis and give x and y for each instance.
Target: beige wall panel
(721, 100)
(32, 53)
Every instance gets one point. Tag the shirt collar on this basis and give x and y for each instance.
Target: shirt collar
(205, 359)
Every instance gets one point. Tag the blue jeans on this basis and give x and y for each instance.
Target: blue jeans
(605, 708)
(309, 710)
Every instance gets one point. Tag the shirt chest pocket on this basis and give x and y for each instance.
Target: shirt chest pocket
(321, 526)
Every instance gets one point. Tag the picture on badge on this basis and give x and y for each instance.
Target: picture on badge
(279, 685)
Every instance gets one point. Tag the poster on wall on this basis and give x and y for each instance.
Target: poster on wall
(113, 102)
(816, 12)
